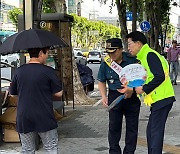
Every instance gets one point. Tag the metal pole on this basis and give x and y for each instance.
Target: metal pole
(0, 14)
(0, 84)
(28, 8)
(24, 18)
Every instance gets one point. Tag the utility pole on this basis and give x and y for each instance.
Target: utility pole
(32, 13)
(28, 14)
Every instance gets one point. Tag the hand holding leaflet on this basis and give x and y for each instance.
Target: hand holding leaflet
(134, 75)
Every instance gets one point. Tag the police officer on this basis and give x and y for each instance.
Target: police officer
(128, 107)
(158, 90)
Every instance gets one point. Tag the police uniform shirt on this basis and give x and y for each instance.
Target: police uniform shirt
(106, 74)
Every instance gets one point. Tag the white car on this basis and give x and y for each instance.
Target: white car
(12, 59)
(94, 56)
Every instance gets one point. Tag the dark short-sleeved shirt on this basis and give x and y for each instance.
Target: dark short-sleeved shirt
(106, 74)
(35, 85)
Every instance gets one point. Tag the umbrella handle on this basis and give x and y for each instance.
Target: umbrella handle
(115, 102)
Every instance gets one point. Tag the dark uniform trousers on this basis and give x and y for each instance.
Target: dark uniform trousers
(130, 108)
(155, 129)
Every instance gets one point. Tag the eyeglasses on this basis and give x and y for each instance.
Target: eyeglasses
(110, 51)
(129, 43)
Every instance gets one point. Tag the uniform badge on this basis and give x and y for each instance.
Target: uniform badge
(108, 45)
(111, 80)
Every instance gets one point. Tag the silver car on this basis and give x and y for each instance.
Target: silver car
(79, 57)
(94, 56)
(12, 59)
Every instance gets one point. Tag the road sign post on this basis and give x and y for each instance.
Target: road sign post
(145, 26)
(129, 16)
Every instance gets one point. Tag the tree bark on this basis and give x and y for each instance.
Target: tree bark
(121, 7)
(80, 96)
(134, 15)
(153, 14)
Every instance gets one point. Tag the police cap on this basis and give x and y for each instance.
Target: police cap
(113, 43)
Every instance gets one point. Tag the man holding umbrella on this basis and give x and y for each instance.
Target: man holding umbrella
(35, 84)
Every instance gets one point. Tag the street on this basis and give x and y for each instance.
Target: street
(95, 68)
(6, 72)
(84, 130)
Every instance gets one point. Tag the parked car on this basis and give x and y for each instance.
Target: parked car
(75, 50)
(85, 52)
(94, 56)
(12, 59)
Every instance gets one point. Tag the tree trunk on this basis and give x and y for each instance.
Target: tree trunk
(134, 15)
(121, 7)
(80, 96)
(153, 14)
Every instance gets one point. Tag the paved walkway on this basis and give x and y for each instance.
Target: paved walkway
(84, 131)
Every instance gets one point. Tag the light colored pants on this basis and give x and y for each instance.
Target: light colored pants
(49, 140)
(174, 70)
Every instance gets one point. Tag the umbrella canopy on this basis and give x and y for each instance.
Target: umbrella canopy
(32, 38)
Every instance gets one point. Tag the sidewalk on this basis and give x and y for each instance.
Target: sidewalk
(84, 130)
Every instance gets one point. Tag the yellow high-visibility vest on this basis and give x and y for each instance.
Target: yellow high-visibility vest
(165, 89)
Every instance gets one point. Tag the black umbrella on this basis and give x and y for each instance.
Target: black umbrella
(32, 38)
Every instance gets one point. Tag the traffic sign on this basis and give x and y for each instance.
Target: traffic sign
(42, 24)
(145, 26)
(129, 16)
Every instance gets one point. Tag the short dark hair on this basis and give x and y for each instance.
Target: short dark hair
(174, 41)
(34, 52)
(137, 36)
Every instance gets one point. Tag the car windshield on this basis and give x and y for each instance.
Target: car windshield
(94, 53)
(79, 54)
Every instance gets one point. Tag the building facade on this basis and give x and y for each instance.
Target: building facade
(5, 22)
(109, 20)
(74, 6)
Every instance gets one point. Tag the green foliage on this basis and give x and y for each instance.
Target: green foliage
(48, 6)
(88, 33)
(13, 15)
(170, 30)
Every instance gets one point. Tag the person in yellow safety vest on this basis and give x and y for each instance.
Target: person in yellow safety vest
(157, 91)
